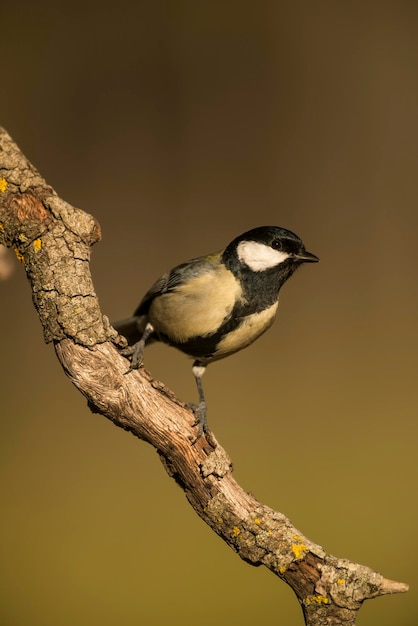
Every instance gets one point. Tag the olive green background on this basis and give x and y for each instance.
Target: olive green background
(180, 125)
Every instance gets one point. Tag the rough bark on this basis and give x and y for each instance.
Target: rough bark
(52, 240)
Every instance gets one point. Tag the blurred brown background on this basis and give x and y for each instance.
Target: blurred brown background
(180, 125)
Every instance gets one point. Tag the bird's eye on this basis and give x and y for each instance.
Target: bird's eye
(276, 244)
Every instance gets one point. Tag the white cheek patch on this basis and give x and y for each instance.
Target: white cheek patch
(260, 257)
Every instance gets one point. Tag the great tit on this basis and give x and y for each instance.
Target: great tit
(215, 305)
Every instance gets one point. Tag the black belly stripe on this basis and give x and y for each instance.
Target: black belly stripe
(204, 347)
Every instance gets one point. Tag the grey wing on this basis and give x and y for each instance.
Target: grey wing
(175, 277)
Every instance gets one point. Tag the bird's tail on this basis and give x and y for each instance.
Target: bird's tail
(132, 328)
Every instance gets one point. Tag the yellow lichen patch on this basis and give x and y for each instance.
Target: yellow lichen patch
(37, 245)
(220, 520)
(299, 549)
(282, 569)
(257, 520)
(3, 185)
(269, 532)
(1, 227)
(298, 537)
(19, 255)
(236, 531)
(317, 600)
(340, 581)
(22, 237)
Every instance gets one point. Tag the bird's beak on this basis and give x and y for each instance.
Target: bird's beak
(306, 257)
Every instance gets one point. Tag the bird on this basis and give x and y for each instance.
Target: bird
(213, 306)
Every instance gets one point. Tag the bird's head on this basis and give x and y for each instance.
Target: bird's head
(267, 248)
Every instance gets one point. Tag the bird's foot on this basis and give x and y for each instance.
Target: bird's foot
(135, 353)
(201, 422)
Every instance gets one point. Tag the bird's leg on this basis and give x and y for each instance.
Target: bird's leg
(199, 409)
(136, 351)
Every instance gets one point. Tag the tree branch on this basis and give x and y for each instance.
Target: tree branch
(52, 240)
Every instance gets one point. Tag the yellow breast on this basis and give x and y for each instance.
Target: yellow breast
(196, 308)
(248, 331)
